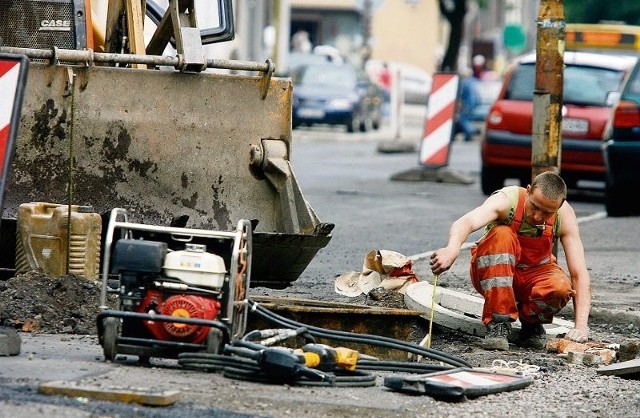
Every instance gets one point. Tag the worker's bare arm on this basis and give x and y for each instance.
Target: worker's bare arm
(580, 278)
(494, 207)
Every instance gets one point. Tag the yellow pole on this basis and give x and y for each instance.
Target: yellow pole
(433, 306)
(547, 96)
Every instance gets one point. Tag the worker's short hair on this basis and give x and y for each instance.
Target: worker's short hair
(551, 185)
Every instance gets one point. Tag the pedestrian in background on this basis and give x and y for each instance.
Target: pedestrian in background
(385, 82)
(513, 266)
(468, 100)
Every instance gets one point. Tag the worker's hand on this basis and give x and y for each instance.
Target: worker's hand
(443, 259)
(577, 335)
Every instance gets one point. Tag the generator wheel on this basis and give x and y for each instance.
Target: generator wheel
(213, 344)
(110, 337)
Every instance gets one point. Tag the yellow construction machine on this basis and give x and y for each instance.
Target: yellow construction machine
(116, 119)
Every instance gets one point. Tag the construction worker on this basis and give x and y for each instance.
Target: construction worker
(513, 266)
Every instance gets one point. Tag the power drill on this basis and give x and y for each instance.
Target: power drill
(326, 358)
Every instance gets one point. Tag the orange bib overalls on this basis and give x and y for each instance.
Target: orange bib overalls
(518, 275)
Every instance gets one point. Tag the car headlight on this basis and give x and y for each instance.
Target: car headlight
(495, 118)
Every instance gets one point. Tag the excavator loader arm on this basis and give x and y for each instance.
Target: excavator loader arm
(203, 149)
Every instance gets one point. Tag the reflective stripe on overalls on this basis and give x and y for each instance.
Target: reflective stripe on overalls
(518, 275)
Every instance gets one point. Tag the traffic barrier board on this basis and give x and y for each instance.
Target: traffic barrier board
(438, 127)
(13, 76)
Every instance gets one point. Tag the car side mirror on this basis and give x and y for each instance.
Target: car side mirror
(613, 97)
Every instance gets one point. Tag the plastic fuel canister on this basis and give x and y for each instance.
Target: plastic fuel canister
(195, 266)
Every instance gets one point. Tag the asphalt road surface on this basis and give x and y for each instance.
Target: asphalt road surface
(347, 181)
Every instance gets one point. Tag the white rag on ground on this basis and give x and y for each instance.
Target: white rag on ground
(385, 269)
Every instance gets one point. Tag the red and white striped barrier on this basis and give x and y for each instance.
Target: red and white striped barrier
(438, 127)
(13, 76)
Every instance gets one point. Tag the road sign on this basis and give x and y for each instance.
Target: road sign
(438, 127)
(514, 37)
(13, 76)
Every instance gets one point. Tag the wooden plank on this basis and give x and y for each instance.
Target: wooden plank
(143, 396)
(630, 368)
(135, 23)
(114, 10)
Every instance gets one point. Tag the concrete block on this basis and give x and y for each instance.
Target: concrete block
(592, 357)
(583, 358)
(9, 342)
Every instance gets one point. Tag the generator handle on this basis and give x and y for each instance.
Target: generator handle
(108, 240)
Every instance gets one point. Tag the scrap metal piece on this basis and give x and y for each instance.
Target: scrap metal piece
(628, 369)
(141, 395)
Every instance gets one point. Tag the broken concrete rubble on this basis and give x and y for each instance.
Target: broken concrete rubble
(589, 354)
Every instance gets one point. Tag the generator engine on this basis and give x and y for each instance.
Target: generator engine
(185, 284)
(179, 305)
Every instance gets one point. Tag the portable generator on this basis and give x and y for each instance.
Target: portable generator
(178, 289)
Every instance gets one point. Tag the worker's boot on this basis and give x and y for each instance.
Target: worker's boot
(532, 336)
(497, 337)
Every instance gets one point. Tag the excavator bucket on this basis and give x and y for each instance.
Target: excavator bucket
(197, 150)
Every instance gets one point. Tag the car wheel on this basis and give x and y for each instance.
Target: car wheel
(366, 125)
(110, 338)
(376, 123)
(525, 181)
(491, 180)
(614, 201)
(353, 125)
(571, 182)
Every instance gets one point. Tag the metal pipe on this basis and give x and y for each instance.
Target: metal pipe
(88, 56)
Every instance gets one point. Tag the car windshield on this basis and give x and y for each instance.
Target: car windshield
(340, 76)
(582, 85)
(298, 59)
(632, 89)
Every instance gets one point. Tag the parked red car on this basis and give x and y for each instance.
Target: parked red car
(591, 81)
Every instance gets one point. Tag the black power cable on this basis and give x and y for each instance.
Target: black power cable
(241, 368)
(248, 360)
(375, 340)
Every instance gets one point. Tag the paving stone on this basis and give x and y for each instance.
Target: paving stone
(9, 342)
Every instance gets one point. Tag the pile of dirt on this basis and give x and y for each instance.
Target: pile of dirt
(69, 304)
(36, 302)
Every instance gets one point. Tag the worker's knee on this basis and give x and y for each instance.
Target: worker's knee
(551, 298)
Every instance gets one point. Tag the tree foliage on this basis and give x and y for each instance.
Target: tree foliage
(594, 11)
